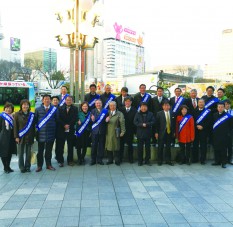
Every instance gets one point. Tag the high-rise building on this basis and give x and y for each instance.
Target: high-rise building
(45, 58)
(223, 70)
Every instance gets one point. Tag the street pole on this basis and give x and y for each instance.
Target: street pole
(71, 71)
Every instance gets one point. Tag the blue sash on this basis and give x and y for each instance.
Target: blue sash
(202, 116)
(8, 118)
(211, 102)
(111, 97)
(46, 118)
(100, 118)
(178, 103)
(83, 126)
(63, 100)
(145, 99)
(183, 122)
(221, 120)
(92, 102)
(23, 131)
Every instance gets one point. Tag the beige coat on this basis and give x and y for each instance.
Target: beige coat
(112, 142)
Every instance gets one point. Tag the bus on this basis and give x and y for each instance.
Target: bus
(14, 92)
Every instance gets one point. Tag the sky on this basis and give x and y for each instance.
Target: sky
(176, 32)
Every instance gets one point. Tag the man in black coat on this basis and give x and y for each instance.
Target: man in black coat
(203, 123)
(67, 118)
(120, 100)
(91, 97)
(63, 95)
(158, 100)
(142, 96)
(164, 132)
(98, 134)
(129, 113)
(210, 100)
(222, 128)
(107, 97)
(192, 101)
(144, 120)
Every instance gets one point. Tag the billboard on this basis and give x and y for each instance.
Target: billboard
(14, 44)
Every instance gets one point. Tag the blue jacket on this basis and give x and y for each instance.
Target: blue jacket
(48, 131)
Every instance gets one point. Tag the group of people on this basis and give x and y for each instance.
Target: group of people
(106, 123)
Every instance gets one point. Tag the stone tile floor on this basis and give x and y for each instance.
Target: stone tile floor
(128, 195)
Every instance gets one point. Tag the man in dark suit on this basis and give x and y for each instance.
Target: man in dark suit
(158, 100)
(91, 97)
(222, 128)
(164, 132)
(63, 95)
(107, 97)
(120, 100)
(98, 133)
(210, 100)
(129, 113)
(142, 96)
(203, 123)
(192, 101)
(67, 118)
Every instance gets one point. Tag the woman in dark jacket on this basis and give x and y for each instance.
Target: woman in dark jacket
(24, 132)
(83, 131)
(7, 142)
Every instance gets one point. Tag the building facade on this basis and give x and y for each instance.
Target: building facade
(45, 58)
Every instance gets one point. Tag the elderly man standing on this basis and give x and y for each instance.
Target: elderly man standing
(115, 130)
(98, 116)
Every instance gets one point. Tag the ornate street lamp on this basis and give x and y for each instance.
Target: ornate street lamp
(77, 19)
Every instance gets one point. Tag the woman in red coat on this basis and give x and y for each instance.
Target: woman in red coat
(185, 133)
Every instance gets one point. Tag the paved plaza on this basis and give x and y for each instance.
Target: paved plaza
(128, 195)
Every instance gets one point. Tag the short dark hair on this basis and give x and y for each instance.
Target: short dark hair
(64, 86)
(7, 105)
(210, 87)
(46, 95)
(24, 101)
(83, 103)
(128, 98)
(165, 102)
(178, 88)
(227, 101)
(183, 107)
(92, 85)
(142, 85)
(160, 88)
(124, 89)
(221, 89)
(143, 104)
(55, 97)
(222, 103)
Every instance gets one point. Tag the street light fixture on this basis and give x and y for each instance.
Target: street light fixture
(77, 19)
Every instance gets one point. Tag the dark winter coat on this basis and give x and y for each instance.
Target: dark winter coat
(20, 121)
(7, 141)
(48, 131)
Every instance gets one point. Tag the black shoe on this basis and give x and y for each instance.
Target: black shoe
(109, 162)
(148, 163)
(6, 171)
(215, 164)
(23, 171)
(28, 170)
(230, 163)
(159, 163)
(10, 170)
(170, 163)
(224, 166)
(117, 163)
(101, 163)
(203, 163)
(92, 163)
(139, 163)
(131, 161)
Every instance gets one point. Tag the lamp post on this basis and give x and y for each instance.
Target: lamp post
(77, 19)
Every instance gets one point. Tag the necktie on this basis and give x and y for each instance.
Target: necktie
(160, 99)
(127, 110)
(123, 100)
(194, 104)
(111, 113)
(67, 109)
(176, 99)
(46, 109)
(168, 123)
